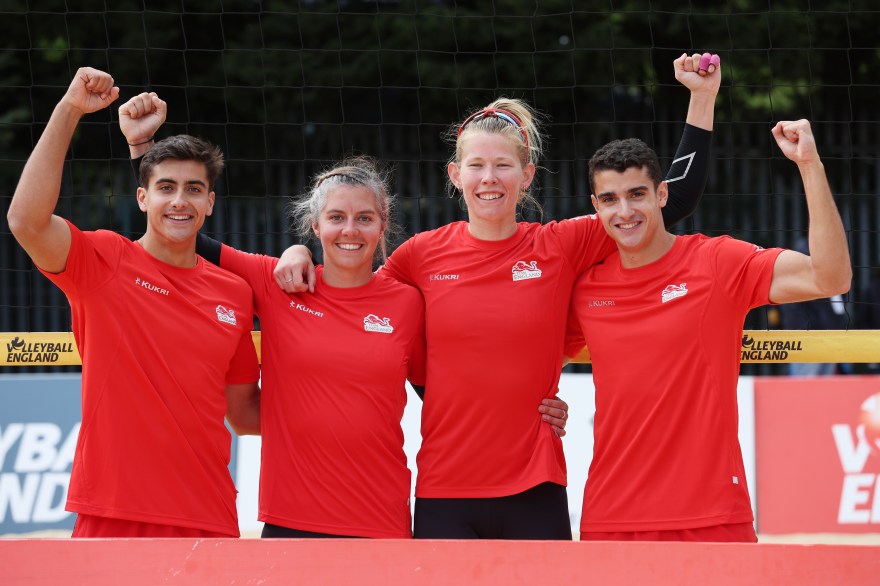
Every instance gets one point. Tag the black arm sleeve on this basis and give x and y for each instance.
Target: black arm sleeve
(688, 174)
(420, 391)
(206, 247)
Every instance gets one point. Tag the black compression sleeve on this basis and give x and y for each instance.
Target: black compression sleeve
(208, 248)
(688, 174)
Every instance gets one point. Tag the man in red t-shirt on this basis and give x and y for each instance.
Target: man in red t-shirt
(663, 319)
(165, 337)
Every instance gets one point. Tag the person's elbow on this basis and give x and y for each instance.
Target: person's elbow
(844, 284)
(27, 227)
(837, 283)
(18, 223)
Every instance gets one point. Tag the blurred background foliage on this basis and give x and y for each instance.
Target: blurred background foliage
(430, 62)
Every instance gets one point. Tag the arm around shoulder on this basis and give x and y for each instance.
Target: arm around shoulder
(295, 271)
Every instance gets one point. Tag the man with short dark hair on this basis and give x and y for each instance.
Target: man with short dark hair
(165, 337)
(663, 320)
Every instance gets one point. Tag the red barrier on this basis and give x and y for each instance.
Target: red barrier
(67, 562)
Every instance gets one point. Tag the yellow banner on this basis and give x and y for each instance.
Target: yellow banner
(59, 348)
(802, 346)
(49, 349)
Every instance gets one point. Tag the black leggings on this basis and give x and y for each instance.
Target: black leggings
(274, 531)
(538, 513)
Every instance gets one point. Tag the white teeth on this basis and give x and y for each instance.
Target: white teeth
(628, 226)
(177, 217)
(489, 196)
(348, 246)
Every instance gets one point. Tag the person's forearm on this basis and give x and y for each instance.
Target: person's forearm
(701, 110)
(296, 252)
(829, 251)
(688, 175)
(140, 149)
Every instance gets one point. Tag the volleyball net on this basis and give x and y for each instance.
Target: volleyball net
(758, 346)
(285, 88)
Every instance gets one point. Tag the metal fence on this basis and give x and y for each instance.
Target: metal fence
(753, 194)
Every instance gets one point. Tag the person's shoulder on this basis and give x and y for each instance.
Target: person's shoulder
(443, 232)
(573, 221)
(105, 242)
(696, 246)
(398, 298)
(101, 250)
(730, 251)
(105, 236)
(701, 240)
(577, 224)
(389, 287)
(606, 269)
(221, 277)
(577, 219)
(233, 257)
(723, 242)
(424, 243)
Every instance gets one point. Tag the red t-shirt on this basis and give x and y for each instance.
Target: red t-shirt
(665, 343)
(334, 367)
(159, 344)
(495, 319)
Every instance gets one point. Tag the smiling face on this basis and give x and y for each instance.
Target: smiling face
(177, 200)
(629, 207)
(349, 227)
(492, 178)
